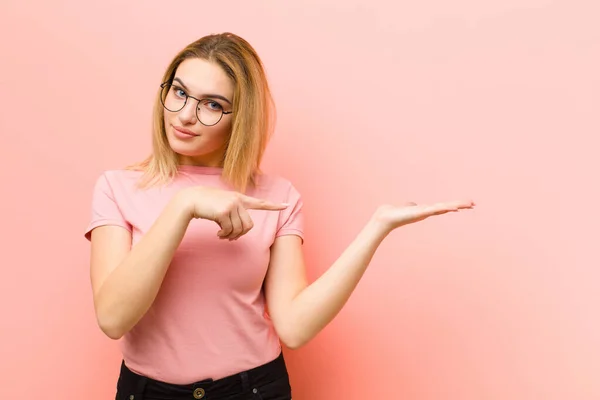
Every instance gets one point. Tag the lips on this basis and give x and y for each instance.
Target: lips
(183, 133)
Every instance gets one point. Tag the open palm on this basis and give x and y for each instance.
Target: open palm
(396, 216)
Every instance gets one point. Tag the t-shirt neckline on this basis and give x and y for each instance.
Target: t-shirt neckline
(200, 169)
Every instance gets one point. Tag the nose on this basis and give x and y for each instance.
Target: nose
(187, 115)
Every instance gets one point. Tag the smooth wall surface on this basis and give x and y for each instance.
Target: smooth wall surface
(378, 101)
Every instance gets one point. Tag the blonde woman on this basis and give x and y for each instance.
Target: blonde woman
(192, 246)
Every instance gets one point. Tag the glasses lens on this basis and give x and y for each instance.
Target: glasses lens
(173, 99)
(209, 112)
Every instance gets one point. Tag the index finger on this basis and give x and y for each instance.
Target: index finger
(452, 206)
(253, 203)
(462, 203)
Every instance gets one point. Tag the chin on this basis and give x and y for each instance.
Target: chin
(186, 150)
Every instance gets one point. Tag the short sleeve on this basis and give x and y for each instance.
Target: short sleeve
(105, 210)
(291, 220)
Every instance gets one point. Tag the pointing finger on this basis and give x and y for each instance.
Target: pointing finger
(259, 204)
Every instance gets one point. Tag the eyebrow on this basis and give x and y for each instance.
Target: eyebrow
(214, 96)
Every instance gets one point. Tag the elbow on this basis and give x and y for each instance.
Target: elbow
(112, 333)
(293, 339)
(110, 318)
(292, 331)
(110, 328)
(109, 324)
(293, 344)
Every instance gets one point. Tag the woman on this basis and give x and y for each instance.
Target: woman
(191, 247)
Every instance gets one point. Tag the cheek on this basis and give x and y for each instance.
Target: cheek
(166, 121)
(220, 132)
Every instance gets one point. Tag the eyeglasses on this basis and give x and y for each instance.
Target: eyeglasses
(174, 98)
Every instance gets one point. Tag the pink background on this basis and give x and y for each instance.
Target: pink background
(378, 102)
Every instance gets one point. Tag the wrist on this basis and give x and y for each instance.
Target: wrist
(378, 227)
(182, 205)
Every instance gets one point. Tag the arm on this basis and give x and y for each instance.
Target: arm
(300, 311)
(125, 281)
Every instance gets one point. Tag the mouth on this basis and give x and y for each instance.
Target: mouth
(182, 132)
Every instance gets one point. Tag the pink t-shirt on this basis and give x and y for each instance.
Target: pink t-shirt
(209, 319)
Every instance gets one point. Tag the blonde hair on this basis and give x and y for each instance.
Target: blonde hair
(253, 113)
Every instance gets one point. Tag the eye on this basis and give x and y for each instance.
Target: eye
(179, 92)
(212, 105)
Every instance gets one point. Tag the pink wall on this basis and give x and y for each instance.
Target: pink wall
(417, 101)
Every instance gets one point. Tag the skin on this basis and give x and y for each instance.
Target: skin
(126, 280)
(200, 78)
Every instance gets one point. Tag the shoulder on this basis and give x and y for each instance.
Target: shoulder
(274, 183)
(117, 180)
(277, 188)
(121, 174)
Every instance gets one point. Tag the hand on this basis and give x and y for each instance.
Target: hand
(227, 208)
(393, 217)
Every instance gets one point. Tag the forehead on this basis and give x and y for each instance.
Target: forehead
(201, 76)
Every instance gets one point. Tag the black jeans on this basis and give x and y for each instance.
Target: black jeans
(266, 382)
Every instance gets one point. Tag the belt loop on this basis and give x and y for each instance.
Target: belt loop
(141, 388)
(245, 382)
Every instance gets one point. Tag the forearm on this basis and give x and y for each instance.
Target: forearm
(131, 288)
(321, 301)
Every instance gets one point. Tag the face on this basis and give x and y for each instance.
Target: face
(195, 143)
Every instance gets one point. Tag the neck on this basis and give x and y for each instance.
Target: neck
(211, 161)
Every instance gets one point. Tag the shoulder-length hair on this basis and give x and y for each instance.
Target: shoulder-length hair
(253, 113)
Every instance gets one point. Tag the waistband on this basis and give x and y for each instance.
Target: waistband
(133, 386)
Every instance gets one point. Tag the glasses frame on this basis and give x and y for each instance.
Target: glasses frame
(187, 96)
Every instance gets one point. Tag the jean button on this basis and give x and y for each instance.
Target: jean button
(199, 393)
